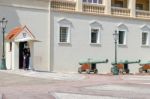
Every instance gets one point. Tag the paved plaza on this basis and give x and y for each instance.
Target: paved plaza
(43, 85)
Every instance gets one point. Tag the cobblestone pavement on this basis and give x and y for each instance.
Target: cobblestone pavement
(42, 85)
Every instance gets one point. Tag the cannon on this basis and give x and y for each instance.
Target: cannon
(89, 65)
(145, 67)
(123, 66)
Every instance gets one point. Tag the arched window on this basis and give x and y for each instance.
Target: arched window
(95, 32)
(122, 34)
(145, 36)
(64, 30)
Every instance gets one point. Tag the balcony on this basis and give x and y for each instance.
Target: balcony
(142, 14)
(93, 8)
(63, 5)
(117, 8)
(142, 9)
(120, 11)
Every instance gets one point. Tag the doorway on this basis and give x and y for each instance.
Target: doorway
(126, 68)
(21, 60)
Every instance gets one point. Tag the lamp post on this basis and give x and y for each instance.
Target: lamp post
(3, 61)
(115, 70)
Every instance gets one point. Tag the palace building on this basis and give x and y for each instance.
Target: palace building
(61, 33)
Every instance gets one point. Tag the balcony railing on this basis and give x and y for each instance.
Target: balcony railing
(120, 11)
(142, 14)
(93, 8)
(63, 5)
(70, 5)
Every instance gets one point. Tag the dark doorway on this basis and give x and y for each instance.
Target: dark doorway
(21, 47)
(93, 66)
(126, 68)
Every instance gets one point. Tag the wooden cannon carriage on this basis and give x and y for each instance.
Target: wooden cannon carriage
(145, 67)
(89, 65)
(123, 66)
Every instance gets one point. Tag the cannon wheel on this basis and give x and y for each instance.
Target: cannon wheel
(95, 71)
(148, 70)
(111, 69)
(121, 71)
(87, 71)
(127, 71)
(79, 70)
(140, 69)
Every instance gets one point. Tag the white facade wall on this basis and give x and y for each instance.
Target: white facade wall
(50, 55)
(67, 56)
(34, 14)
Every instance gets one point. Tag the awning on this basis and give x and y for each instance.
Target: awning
(127, 61)
(92, 61)
(20, 34)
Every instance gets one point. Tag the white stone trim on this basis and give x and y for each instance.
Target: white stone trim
(145, 27)
(99, 36)
(125, 37)
(148, 39)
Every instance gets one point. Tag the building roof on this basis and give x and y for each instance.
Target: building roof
(16, 31)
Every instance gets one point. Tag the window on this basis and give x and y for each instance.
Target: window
(139, 6)
(145, 39)
(93, 1)
(122, 39)
(64, 29)
(95, 36)
(64, 35)
(118, 3)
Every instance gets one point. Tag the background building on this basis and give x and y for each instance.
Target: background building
(72, 30)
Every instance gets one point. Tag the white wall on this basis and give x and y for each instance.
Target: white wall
(37, 22)
(67, 56)
(35, 17)
(8, 56)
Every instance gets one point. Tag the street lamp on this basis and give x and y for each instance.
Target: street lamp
(114, 69)
(3, 61)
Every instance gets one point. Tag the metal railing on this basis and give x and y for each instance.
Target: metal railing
(142, 14)
(63, 5)
(93, 8)
(120, 11)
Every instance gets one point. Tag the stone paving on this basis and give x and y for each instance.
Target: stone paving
(124, 88)
(79, 96)
(41, 85)
(47, 75)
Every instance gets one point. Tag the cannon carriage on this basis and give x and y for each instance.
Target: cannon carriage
(89, 65)
(145, 67)
(123, 66)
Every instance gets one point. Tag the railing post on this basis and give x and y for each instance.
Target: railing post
(107, 4)
(79, 5)
(132, 7)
